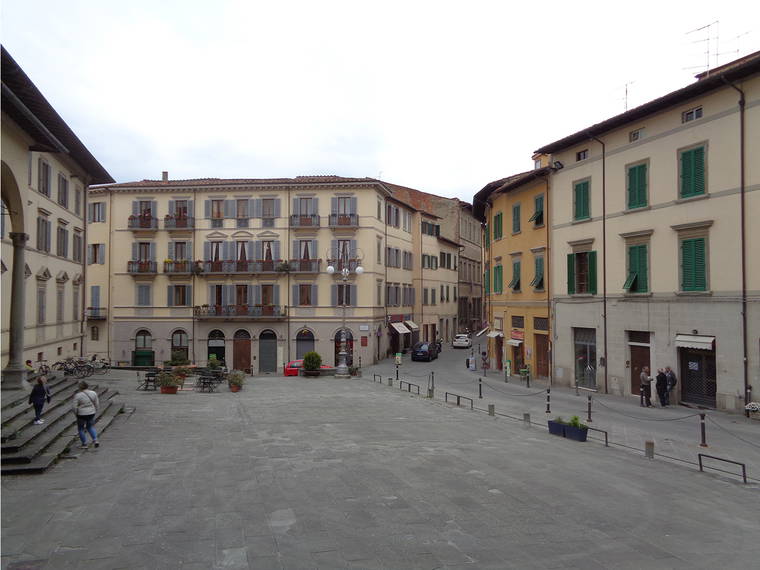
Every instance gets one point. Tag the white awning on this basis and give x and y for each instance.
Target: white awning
(514, 342)
(400, 328)
(494, 334)
(481, 332)
(694, 341)
(412, 326)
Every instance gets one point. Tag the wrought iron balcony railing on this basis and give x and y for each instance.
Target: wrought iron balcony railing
(247, 311)
(344, 220)
(97, 313)
(142, 267)
(311, 221)
(249, 266)
(304, 265)
(142, 222)
(178, 267)
(179, 223)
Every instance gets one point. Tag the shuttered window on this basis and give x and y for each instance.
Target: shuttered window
(515, 283)
(498, 230)
(637, 280)
(581, 273)
(693, 265)
(581, 201)
(498, 279)
(693, 172)
(538, 279)
(515, 218)
(637, 186)
(538, 215)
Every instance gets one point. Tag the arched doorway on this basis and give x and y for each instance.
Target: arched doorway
(216, 344)
(179, 346)
(304, 342)
(143, 354)
(241, 351)
(268, 351)
(349, 347)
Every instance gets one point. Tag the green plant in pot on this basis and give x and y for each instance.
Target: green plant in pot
(169, 382)
(576, 430)
(235, 380)
(311, 363)
(213, 362)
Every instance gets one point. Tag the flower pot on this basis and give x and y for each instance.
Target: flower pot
(576, 433)
(311, 372)
(234, 388)
(169, 389)
(557, 428)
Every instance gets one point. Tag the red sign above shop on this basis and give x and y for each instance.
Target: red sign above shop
(518, 335)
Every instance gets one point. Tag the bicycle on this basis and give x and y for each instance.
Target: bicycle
(101, 366)
(43, 368)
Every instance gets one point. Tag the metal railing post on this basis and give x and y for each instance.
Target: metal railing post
(480, 388)
(548, 401)
(702, 429)
(588, 419)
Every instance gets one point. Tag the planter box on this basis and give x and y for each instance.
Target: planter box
(169, 389)
(556, 428)
(575, 433)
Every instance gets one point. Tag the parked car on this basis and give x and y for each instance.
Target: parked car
(425, 351)
(462, 341)
(292, 367)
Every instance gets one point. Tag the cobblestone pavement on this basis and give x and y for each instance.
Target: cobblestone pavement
(296, 473)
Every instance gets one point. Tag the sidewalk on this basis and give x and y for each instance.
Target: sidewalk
(295, 473)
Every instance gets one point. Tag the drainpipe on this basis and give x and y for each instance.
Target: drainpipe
(742, 214)
(194, 275)
(547, 282)
(604, 257)
(288, 247)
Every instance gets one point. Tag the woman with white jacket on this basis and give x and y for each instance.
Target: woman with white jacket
(85, 407)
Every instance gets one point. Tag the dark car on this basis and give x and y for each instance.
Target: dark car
(424, 351)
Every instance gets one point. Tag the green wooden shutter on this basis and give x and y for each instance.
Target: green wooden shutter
(700, 274)
(633, 269)
(488, 235)
(699, 170)
(582, 200)
(637, 186)
(515, 218)
(693, 172)
(642, 281)
(570, 273)
(499, 280)
(693, 273)
(488, 281)
(592, 272)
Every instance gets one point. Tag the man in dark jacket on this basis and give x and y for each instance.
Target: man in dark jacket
(39, 395)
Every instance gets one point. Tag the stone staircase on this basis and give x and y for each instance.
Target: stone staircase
(30, 448)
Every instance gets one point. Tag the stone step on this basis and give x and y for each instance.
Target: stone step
(14, 398)
(66, 440)
(19, 417)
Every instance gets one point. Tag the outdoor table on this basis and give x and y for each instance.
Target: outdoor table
(149, 382)
(206, 384)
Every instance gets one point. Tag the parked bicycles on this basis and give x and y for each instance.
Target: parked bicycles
(101, 366)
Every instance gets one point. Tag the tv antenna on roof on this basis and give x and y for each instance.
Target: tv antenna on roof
(707, 28)
(626, 93)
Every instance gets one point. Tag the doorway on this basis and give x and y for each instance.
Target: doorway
(542, 355)
(143, 354)
(216, 345)
(304, 343)
(698, 375)
(268, 351)
(638, 343)
(241, 351)
(499, 352)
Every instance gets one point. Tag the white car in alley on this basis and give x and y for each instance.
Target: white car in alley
(462, 341)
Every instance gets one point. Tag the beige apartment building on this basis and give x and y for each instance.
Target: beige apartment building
(238, 269)
(45, 174)
(653, 246)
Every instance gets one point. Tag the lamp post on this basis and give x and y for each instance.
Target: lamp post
(344, 271)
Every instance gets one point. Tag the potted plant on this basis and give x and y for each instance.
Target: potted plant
(213, 362)
(311, 363)
(235, 380)
(169, 382)
(557, 426)
(283, 267)
(576, 430)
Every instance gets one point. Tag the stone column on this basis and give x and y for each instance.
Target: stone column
(14, 374)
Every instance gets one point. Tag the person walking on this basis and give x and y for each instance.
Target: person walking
(38, 396)
(646, 387)
(661, 385)
(671, 381)
(85, 406)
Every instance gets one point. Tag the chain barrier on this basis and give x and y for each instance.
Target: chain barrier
(509, 393)
(733, 434)
(645, 419)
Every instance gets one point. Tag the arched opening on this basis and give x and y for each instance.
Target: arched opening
(216, 345)
(304, 342)
(267, 351)
(143, 354)
(349, 346)
(241, 351)
(179, 347)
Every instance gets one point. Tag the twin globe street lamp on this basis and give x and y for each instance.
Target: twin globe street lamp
(343, 263)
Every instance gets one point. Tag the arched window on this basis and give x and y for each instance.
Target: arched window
(304, 342)
(143, 340)
(179, 346)
(242, 334)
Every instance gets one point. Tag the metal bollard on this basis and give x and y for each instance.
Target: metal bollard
(491, 410)
(480, 388)
(526, 420)
(396, 372)
(431, 393)
(649, 449)
(702, 429)
(390, 381)
(641, 395)
(588, 419)
(548, 401)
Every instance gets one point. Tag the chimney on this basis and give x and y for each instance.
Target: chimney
(165, 176)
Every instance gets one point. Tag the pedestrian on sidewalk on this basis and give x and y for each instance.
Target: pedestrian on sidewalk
(662, 387)
(86, 405)
(646, 387)
(671, 381)
(38, 396)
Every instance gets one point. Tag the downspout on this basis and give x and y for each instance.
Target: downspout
(742, 214)
(194, 274)
(109, 317)
(547, 264)
(604, 257)
(288, 247)
(384, 288)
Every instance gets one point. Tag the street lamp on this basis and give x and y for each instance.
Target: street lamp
(344, 271)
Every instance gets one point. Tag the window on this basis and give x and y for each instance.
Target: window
(62, 242)
(178, 295)
(636, 135)
(78, 200)
(425, 296)
(498, 279)
(407, 221)
(693, 172)
(59, 304)
(44, 174)
(76, 246)
(217, 213)
(431, 229)
(304, 295)
(43, 233)
(379, 290)
(379, 210)
(515, 283)
(691, 114)
(94, 333)
(241, 212)
(268, 208)
(637, 186)
(538, 213)
(75, 303)
(581, 273)
(344, 294)
(581, 155)
(693, 264)
(96, 253)
(143, 339)
(379, 248)
(41, 305)
(343, 206)
(537, 164)
(63, 191)
(143, 295)
(518, 322)
(538, 279)
(637, 280)
(541, 323)
(516, 218)
(432, 296)
(498, 230)
(581, 210)
(97, 212)
(487, 235)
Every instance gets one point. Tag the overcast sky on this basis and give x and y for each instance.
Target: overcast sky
(440, 96)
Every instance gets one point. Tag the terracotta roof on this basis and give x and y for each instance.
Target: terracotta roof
(480, 199)
(25, 104)
(420, 201)
(328, 179)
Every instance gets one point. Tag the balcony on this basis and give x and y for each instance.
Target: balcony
(179, 267)
(344, 221)
(142, 267)
(311, 221)
(229, 267)
(144, 222)
(304, 265)
(97, 313)
(179, 223)
(339, 264)
(267, 312)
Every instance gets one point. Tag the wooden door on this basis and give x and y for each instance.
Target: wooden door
(542, 355)
(639, 359)
(241, 354)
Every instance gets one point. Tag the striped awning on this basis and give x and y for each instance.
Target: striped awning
(494, 334)
(514, 342)
(695, 341)
(400, 328)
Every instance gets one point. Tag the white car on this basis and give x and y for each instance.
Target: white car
(462, 341)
